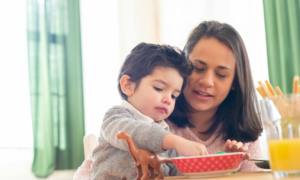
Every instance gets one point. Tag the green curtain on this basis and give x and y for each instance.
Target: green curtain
(282, 23)
(56, 92)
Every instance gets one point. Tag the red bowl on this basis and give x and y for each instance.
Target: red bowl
(210, 165)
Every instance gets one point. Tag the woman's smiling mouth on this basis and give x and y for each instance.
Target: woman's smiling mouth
(202, 95)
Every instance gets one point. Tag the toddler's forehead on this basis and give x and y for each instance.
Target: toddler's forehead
(167, 75)
(160, 70)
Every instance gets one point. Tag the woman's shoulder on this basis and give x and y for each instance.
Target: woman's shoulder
(254, 147)
(252, 144)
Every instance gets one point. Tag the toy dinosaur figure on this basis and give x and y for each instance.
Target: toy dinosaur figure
(144, 159)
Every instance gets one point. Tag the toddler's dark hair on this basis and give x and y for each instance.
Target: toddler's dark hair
(145, 57)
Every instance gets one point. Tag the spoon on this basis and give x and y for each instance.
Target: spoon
(261, 163)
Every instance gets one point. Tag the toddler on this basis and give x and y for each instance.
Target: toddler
(149, 82)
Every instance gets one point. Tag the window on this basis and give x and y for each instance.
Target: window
(15, 116)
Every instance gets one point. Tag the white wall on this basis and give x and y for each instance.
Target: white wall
(100, 57)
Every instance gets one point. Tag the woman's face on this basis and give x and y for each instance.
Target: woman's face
(213, 75)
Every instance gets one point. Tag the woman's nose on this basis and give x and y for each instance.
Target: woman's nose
(207, 79)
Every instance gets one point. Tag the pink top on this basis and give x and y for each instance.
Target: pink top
(213, 145)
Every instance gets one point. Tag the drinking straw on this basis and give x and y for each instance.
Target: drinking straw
(278, 91)
(277, 100)
(296, 84)
(270, 88)
(264, 89)
(263, 95)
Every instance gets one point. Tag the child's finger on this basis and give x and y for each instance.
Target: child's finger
(206, 153)
(203, 153)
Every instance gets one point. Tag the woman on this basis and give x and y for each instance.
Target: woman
(219, 101)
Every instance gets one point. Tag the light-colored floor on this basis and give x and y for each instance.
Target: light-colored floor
(15, 164)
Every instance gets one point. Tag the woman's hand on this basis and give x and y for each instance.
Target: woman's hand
(183, 146)
(234, 146)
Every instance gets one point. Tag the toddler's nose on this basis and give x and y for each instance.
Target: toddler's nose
(167, 100)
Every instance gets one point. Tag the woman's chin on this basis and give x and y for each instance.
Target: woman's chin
(203, 107)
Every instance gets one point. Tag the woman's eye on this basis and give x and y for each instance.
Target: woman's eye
(199, 69)
(221, 75)
(174, 97)
(157, 89)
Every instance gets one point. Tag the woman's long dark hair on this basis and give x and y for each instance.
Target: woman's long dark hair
(239, 112)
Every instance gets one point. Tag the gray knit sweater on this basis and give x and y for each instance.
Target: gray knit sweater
(111, 157)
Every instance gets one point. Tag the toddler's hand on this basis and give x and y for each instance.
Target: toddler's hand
(189, 148)
(234, 146)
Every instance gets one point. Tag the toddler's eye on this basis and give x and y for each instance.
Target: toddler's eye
(157, 89)
(174, 97)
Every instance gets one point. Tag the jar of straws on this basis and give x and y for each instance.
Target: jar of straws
(281, 117)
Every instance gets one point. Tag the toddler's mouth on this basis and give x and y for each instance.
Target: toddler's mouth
(162, 109)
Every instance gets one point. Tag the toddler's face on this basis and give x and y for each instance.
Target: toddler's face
(156, 94)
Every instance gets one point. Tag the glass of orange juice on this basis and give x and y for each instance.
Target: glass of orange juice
(281, 117)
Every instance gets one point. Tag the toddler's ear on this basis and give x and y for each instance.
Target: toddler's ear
(126, 85)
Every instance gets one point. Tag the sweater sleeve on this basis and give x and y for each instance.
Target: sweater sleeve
(146, 136)
(255, 152)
